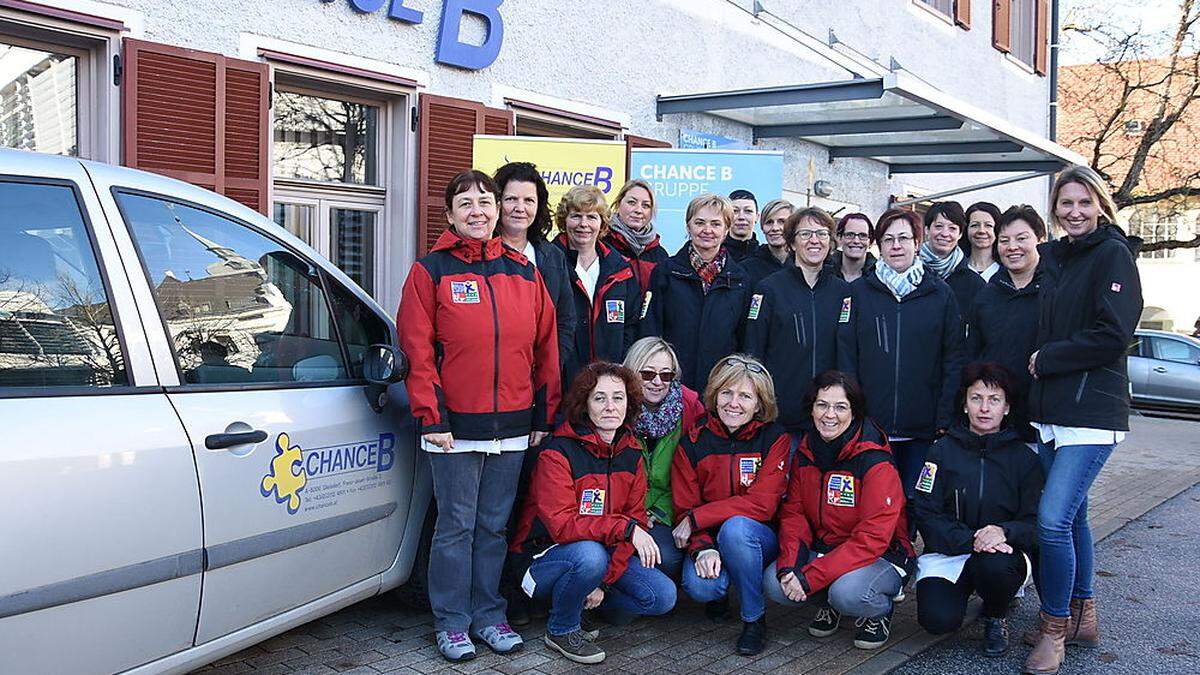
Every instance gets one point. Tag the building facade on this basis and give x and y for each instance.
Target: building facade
(342, 119)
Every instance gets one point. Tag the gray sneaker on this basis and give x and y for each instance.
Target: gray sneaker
(575, 646)
(455, 646)
(501, 638)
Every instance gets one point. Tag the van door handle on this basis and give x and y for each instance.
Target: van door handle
(222, 441)
(1159, 369)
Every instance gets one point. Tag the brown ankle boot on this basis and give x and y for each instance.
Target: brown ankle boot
(1084, 628)
(1031, 636)
(1047, 655)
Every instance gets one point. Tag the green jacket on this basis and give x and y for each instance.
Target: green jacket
(658, 475)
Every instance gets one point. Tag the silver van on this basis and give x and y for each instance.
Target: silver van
(192, 459)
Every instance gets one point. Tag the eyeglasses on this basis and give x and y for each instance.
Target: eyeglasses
(748, 365)
(904, 239)
(855, 235)
(665, 375)
(823, 407)
(810, 234)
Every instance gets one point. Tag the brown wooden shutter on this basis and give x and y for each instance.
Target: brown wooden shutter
(632, 142)
(1041, 37)
(962, 13)
(1001, 25)
(447, 130)
(199, 117)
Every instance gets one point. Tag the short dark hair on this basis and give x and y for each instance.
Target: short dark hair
(991, 374)
(743, 194)
(841, 224)
(892, 215)
(951, 211)
(813, 213)
(465, 181)
(1026, 213)
(575, 403)
(848, 383)
(526, 172)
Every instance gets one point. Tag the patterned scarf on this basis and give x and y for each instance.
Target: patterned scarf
(708, 271)
(901, 283)
(940, 266)
(638, 241)
(657, 422)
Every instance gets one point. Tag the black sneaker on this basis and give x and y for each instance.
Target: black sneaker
(717, 610)
(590, 630)
(575, 646)
(995, 637)
(825, 623)
(872, 633)
(753, 639)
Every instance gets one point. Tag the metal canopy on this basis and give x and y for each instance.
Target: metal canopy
(896, 119)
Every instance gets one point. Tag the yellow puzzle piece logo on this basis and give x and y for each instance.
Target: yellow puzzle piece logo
(287, 477)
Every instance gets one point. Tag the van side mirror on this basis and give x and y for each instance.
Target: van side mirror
(384, 364)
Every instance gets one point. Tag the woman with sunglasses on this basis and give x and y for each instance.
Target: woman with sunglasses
(669, 411)
(727, 479)
(796, 316)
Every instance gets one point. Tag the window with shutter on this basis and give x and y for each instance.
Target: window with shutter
(447, 130)
(962, 13)
(1001, 28)
(199, 117)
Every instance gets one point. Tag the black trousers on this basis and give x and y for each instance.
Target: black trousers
(996, 577)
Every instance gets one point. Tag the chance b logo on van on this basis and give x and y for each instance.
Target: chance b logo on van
(324, 474)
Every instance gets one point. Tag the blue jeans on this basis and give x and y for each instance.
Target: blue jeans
(910, 458)
(672, 558)
(866, 592)
(567, 573)
(1065, 553)
(746, 547)
(474, 494)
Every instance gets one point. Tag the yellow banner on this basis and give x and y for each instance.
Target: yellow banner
(563, 162)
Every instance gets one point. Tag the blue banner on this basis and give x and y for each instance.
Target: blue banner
(678, 176)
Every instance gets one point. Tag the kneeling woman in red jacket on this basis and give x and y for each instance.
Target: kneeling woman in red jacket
(842, 528)
(584, 522)
(727, 479)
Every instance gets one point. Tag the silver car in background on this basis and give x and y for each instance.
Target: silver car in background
(1164, 370)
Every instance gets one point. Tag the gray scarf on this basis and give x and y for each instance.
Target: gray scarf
(901, 283)
(638, 241)
(940, 266)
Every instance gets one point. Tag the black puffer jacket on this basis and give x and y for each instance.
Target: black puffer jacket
(552, 264)
(970, 481)
(965, 282)
(835, 264)
(1090, 306)
(1004, 322)
(740, 249)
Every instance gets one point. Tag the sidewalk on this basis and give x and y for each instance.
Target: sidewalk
(1159, 459)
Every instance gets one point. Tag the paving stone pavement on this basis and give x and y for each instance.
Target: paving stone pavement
(1159, 459)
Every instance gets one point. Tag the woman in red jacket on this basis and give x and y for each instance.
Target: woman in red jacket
(727, 479)
(478, 328)
(843, 536)
(583, 529)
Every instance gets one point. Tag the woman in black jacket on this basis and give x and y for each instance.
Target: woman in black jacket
(524, 226)
(1090, 307)
(698, 299)
(905, 344)
(772, 256)
(976, 509)
(1004, 318)
(797, 315)
(945, 224)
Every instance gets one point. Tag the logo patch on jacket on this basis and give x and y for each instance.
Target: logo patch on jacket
(615, 311)
(748, 469)
(646, 304)
(464, 292)
(928, 475)
(755, 305)
(1115, 288)
(844, 317)
(591, 502)
(839, 491)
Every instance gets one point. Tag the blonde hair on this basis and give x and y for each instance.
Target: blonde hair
(584, 199)
(772, 206)
(706, 200)
(1089, 179)
(643, 350)
(735, 367)
(636, 183)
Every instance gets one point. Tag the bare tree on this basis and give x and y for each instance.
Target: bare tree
(1132, 112)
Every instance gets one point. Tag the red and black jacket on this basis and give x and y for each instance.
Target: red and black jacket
(479, 331)
(605, 324)
(852, 512)
(716, 476)
(642, 263)
(584, 489)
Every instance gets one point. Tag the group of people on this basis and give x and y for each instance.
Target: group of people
(611, 424)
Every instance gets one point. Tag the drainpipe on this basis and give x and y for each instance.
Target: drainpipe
(1054, 70)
